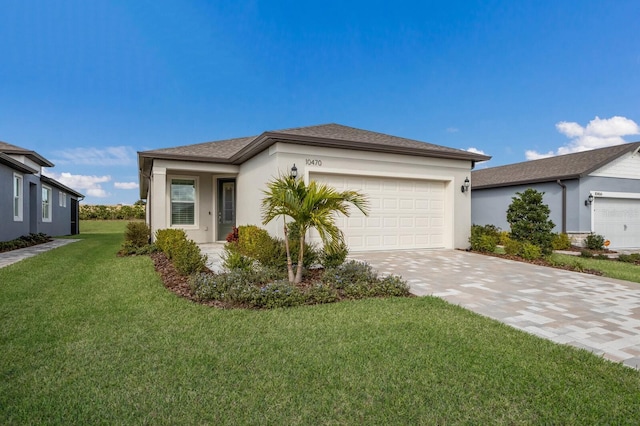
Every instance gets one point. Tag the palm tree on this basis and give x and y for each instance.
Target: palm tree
(309, 206)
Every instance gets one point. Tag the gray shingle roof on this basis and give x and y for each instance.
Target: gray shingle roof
(569, 166)
(238, 150)
(7, 148)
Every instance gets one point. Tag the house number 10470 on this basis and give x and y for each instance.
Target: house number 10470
(312, 162)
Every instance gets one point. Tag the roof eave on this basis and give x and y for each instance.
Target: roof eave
(61, 186)
(16, 165)
(526, 182)
(266, 139)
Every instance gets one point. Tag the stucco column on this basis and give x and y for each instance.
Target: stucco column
(159, 199)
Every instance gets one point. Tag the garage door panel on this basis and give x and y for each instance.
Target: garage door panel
(618, 220)
(403, 213)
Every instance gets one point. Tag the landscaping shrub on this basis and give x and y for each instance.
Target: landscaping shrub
(261, 287)
(530, 251)
(561, 242)
(187, 257)
(232, 259)
(512, 247)
(503, 237)
(586, 253)
(594, 242)
(349, 272)
(333, 258)
(629, 258)
(137, 233)
(168, 239)
(529, 219)
(24, 241)
(484, 238)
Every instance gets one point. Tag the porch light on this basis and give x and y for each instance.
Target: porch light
(589, 200)
(464, 188)
(294, 171)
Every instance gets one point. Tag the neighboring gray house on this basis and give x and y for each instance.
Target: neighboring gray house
(414, 188)
(31, 202)
(591, 191)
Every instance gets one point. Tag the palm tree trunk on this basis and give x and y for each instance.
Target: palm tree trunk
(286, 246)
(300, 258)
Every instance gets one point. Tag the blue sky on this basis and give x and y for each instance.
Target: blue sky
(86, 84)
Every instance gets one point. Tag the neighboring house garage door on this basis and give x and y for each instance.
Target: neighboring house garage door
(618, 220)
(404, 213)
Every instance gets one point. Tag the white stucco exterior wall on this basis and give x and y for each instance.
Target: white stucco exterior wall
(280, 157)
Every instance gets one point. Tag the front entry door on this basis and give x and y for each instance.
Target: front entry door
(226, 207)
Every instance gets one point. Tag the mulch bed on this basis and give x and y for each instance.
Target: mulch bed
(179, 284)
(543, 262)
(173, 281)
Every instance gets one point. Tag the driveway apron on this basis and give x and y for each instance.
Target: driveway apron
(599, 314)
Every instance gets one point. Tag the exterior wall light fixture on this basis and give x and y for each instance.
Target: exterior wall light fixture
(464, 188)
(294, 171)
(589, 200)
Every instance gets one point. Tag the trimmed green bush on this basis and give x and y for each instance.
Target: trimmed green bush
(187, 257)
(137, 233)
(594, 242)
(167, 240)
(561, 242)
(530, 251)
(484, 238)
(232, 259)
(512, 247)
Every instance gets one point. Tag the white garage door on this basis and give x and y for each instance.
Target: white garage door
(618, 220)
(403, 213)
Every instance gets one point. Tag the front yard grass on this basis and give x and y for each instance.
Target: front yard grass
(609, 268)
(88, 337)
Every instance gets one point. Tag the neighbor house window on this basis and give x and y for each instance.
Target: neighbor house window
(46, 204)
(183, 201)
(17, 198)
(62, 199)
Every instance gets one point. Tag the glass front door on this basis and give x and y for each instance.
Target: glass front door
(226, 207)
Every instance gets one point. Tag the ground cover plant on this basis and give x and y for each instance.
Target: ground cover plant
(24, 241)
(89, 337)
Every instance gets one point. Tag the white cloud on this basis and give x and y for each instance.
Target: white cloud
(109, 156)
(88, 185)
(452, 130)
(599, 133)
(476, 150)
(125, 185)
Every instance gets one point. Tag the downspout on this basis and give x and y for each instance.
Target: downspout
(564, 205)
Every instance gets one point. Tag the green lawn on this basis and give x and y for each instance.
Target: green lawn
(609, 268)
(88, 337)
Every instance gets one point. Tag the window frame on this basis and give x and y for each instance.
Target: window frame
(196, 202)
(48, 208)
(62, 199)
(18, 199)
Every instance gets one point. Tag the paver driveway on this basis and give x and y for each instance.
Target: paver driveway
(599, 314)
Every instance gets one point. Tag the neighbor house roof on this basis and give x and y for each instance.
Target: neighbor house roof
(569, 166)
(15, 164)
(58, 185)
(7, 148)
(236, 151)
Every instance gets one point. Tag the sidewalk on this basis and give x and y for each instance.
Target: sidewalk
(10, 257)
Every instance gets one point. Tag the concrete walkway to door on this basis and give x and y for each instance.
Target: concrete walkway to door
(599, 314)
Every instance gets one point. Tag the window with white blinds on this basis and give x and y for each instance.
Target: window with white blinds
(183, 201)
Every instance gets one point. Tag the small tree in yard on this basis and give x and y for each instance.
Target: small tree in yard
(529, 219)
(309, 206)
